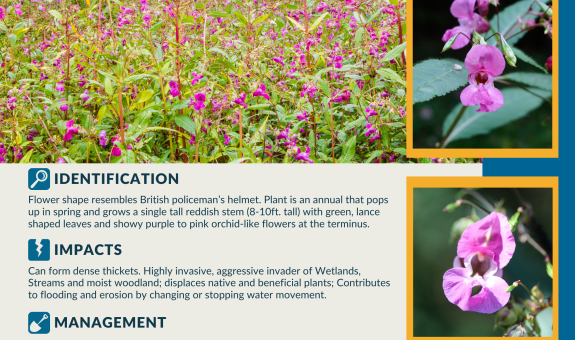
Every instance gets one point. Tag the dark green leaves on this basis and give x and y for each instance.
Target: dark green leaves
(518, 103)
(437, 77)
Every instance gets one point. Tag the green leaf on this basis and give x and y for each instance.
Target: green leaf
(260, 19)
(508, 20)
(549, 268)
(395, 52)
(219, 15)
(348, 150)
(518, 104)
(325, 87)
(542, 81)
(55, 14)
(145, 95)
(374, 15)
(437, 77)
(317, 22)
(108, 86)
(391, 75)
(358, 37)
(400, 151)
(394, 2)
(241, 17)
(374, 155)
(521, 55)
(296, 24)
(259, 135)
(215, 49)
(186, 123)
(12, 38)
(258, 107)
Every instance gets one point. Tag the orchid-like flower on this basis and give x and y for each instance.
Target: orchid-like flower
(64, 107)
(102, 137)
(303, 155)
(174, 88)
(241, 100)
(60, 87)
(86, 95)
(2, 13)
(197, 77)
(60, 161)
(116, 151)
(308, 89)
(303, 116)
(469, 21)
(71, 130)
(484, 249)
(483, 63)
(261, 91)
(370, 112)
(199, 103)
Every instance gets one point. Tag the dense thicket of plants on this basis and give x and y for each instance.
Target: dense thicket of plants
(202, 81)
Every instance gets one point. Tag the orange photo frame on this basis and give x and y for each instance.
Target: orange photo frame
(481, 182)
(552, 152)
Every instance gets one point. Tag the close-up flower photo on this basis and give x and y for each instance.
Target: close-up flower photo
(483, 262)
(483, 74)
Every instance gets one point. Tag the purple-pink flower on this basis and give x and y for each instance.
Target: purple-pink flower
(174, 88)
(261, 91)
(102, 137)
(484, 249)
(241, 100)
(469, 21)
(303, 155)
(483, 63)
(71, 130)
(200, 98)
(64, 107)
(116, 151)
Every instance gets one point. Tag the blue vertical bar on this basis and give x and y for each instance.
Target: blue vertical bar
(562, 167)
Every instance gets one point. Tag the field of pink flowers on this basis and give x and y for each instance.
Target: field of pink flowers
(106, 81)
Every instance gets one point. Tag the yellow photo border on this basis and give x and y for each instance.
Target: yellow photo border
(481, 182)
(553, 152)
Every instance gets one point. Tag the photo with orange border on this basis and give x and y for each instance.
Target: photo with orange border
(435, 149)
(482, 257)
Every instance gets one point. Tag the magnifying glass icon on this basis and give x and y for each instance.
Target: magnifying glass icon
(41, 176)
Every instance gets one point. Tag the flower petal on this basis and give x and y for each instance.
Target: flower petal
(469, 95)
(492, 297)
(487, 58)
(492, 233)
(462, 8)
(457, 286)
(496, 100)
(480, 24)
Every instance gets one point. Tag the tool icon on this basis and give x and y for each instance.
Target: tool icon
(34, 321)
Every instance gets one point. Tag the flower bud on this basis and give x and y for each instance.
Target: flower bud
(515, 219)
(549, 267)
(478, 39)
(508, 315)
(537, 295)
(450, 42)
(530, 306)
(513, 286)
(517, 331)
(508, 52)
(452, 206)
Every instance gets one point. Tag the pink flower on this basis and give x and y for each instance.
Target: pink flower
(468, 22)
(86, 95)
(241, 100)
(2, 13)
(60, 87)
(261, 91)
(200, 99)
(60, 161)
(116, 151)
(174, 88)
(64, 107)
(197, 78)
(483, 63)
(303, 116)
(483, 250)
(303, 155)
(71, 130)
(18, 9)
(549, 63)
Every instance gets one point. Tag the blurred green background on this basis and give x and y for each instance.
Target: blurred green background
(433, 255)
(430, 21)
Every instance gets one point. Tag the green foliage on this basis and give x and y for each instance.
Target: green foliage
(517, 104)
(437, 77)
(542, 81)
